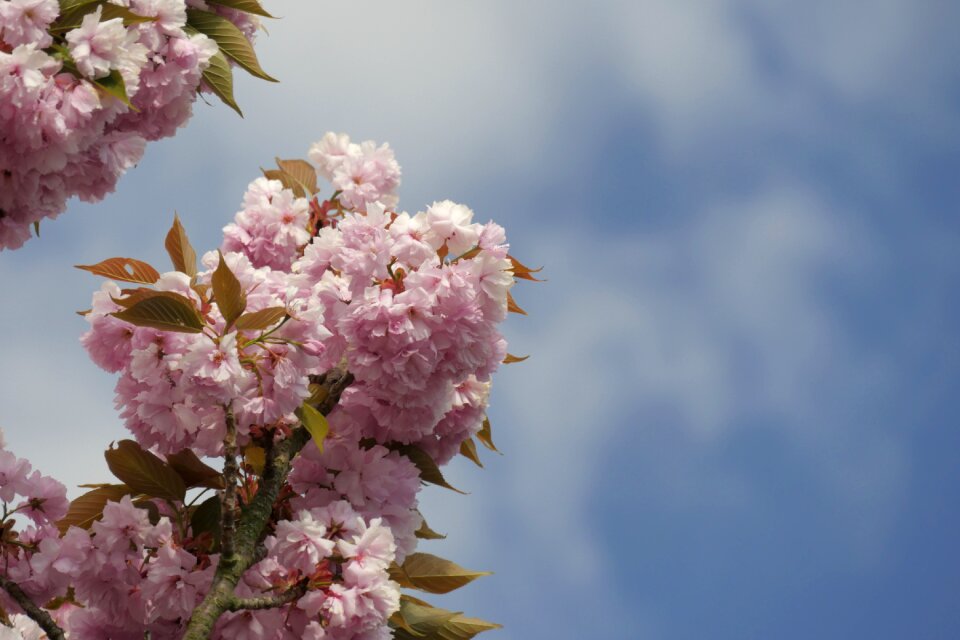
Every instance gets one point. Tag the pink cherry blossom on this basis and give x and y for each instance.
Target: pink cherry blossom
(412, 304)
(26, 21)
(99, 47)
(60, 135)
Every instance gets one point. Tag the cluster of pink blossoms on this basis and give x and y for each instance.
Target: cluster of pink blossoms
(132, 573)
(411, 304)
(30, 555)
(66, 128)
(132, 576)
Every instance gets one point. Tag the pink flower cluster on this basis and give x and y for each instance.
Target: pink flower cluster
(30, 555)
(345, 558)
(271, 227)
(363, 173)
(173, 387)
(131, 573)
(411, 302)
(130, 576)
(63, 133)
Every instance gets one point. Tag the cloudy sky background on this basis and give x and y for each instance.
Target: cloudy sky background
(739, 417)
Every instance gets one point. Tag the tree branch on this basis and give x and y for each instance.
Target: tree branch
(230, 472)
(38, 615)
(255, 515)
(268, 602)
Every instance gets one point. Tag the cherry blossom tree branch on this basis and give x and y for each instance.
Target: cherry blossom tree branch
(255, 516)
(268, 602)
(38, 615)
(230, 472)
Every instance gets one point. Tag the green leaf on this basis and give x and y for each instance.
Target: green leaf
(229, 38)
(72, 13)
(219, 77)
(318, 393)
(150, 506)
(255, 457)
(510, 359)
(468, 449)
(400, 625)
(206, 518)
(163, 310)
(425, 532)
(36, 227)
(88, 508)
(485, 437)
(429, 471)
(303, 175)
(113, 11)
(522, 271)
(193, 471)
(73, 18)
(130, 297)
(314, 422)
(248, 6)
(512, 305)
(124, 270)
(460, 627)
(113, 85)
(145, 472)
(260, 320)
(432, 574)
(66, 5)
(229, 295)
(180, 250)
(418, 619)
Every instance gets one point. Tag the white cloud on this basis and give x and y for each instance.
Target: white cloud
(56, 407)
(485, 88)
(718, 323)
(440, 81)
(715, 322)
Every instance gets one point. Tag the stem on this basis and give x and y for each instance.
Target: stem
(197, 497)
(38, 615)
(178, 514)
(266, 334)
(256, 515)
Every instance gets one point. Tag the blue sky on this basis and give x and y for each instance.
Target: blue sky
(738, 420)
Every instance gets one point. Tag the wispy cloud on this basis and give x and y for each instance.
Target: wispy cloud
(726, 324)
(719, 324)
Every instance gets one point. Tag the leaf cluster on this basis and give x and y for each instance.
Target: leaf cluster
(171, 311)
(72, 13)
(232, 44)
(417, 619)
(233, 47)
(146, 477)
